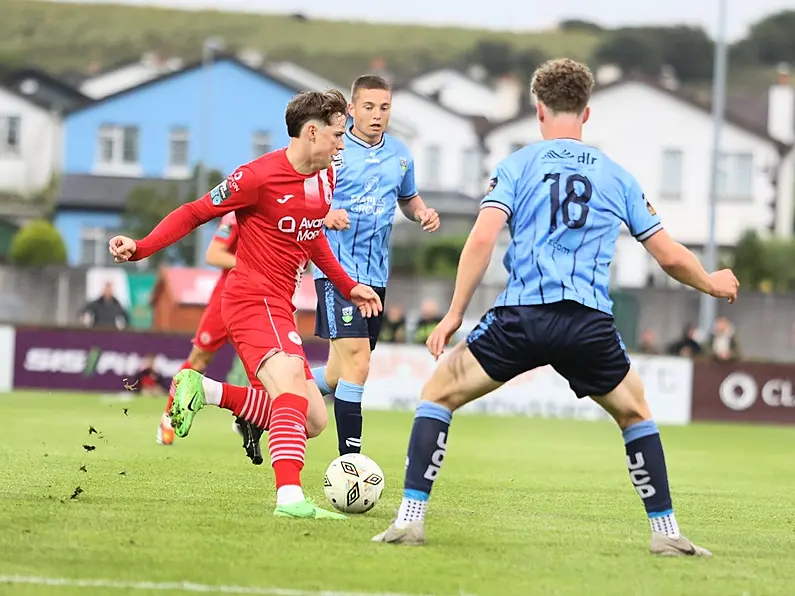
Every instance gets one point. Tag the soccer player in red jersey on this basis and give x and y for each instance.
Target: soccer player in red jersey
(280, 200)
(211, 334)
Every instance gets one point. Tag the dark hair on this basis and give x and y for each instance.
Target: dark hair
(563, 85)
(369, 81)
(313, 105)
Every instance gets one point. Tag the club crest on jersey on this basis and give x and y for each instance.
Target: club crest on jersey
(649, 206)
(347, 315)
(404, 164)
(492, 185)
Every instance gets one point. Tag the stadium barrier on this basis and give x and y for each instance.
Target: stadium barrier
(6, 358)
(743, 392)
(397, 373)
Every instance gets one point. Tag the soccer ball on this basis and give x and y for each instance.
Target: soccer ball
(353, 483)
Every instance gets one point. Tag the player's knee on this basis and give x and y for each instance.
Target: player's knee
(316, 423)
(356, 365)
(443, 394)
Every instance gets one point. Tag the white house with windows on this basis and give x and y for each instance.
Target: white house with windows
(664, 139)
(30, 138)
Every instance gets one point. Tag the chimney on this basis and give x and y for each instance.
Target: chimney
(507, 97)
(781, 107)
(252, 57)
(607, 74)
(668, 77)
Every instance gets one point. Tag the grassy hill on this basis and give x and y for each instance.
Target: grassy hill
(59, 36)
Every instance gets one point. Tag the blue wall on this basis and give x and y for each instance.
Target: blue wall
(71, 223)
(240, 104)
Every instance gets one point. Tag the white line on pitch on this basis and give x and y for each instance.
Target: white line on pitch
(179, 587)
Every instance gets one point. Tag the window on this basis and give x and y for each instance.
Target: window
(470, 172)
(178, 148)
(9, 135)
(117, 147)
(94, 247)
(735, 177)
(433, 164)
(262, 144)
(671, 183)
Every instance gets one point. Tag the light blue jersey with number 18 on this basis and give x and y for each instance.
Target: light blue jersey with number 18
(565, 202)
(371, 179)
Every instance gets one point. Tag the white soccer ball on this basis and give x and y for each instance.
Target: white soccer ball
(353, 483)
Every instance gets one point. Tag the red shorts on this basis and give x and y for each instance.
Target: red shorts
(259, 329)
(211, 334)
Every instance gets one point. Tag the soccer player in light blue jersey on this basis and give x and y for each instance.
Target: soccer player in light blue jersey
(375, 174)
(564, 203)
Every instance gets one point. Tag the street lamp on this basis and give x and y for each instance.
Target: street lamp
(707, 305)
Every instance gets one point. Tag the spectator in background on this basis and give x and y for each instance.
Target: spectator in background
(106, 312)
(148, 381)
(393, 327)
(430, 317)
(686, 346)
(648, 343)
(723, 344)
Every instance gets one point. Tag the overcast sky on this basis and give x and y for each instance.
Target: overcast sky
(508, 14)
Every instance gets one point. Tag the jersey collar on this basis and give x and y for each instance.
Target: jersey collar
(361, 143)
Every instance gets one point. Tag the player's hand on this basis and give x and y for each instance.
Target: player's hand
(429, 219)
(367, 300)
(724, 284)
(440, 336)
(122, 248)
(337, 220)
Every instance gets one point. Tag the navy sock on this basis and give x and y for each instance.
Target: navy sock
(319, 372)
(646, 463)
(348, 415)
(427, 448)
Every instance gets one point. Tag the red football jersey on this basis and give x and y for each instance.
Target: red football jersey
(280, 216)
(226, 234)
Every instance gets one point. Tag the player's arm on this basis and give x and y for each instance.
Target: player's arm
(496, 209)
(674, 258)
(411, 204)
(218, 253)
(237, 191)
(321, 255)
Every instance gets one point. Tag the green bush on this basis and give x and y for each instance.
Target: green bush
(37, 244)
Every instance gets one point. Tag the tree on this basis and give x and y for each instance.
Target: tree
(497, 57)
(765, 263)
(749, 265)
(580, 25)
(526, 61)
(146, 207)
(37, 244)
(632, 50)
(689, 50)
(772, 38)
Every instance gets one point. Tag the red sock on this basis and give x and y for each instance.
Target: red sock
(173, 389)
(287, 438)
(250, 404)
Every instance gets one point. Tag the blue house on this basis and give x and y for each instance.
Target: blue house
(222, 115)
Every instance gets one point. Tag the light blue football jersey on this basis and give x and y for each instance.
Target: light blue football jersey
(371, 179)
(565, 202)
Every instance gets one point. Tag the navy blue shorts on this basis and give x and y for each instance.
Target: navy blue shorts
(582, 344)
(338, 318)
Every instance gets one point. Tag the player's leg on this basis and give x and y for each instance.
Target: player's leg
(646, 464)
(596, 364)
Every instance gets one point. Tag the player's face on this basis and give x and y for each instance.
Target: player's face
(370, 112)
(328, 141)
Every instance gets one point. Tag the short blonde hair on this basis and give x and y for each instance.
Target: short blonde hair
(563, 85)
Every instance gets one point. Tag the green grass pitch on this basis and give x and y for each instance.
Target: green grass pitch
(523, 506)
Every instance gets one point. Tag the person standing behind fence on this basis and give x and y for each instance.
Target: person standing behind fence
(106, 312)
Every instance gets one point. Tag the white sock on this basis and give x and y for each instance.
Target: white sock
(212, 391)
(665, 524)
(410, 510)
(287, 495)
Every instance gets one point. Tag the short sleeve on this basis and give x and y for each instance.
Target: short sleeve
(408, 187)
(641, 219)
(501, 192)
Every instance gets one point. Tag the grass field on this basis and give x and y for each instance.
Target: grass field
(523, 506)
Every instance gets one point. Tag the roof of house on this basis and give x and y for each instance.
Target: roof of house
(754, 125)
(71, 97)
(220, 57)
(107, 193)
